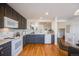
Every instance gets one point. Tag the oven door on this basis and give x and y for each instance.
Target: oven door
(17, 46)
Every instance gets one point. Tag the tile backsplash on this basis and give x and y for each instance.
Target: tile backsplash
(6, 32)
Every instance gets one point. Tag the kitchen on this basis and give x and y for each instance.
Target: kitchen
(37, 29)
(13, 33)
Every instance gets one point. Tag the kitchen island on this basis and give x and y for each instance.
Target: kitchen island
(38, 39)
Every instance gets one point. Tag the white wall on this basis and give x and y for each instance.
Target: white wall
(73, 35)
(61, 25)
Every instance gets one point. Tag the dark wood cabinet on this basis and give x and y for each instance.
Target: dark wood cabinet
(5, 49)
(23, 22)
(19, 21)
(1, 11)
(14, 15)
(6, 10)
(1, 22)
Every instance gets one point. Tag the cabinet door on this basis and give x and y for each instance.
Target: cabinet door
(8, 11)
(23, 23)
(19, 20)
(24, 40)
(6, 49)
(1, 11)
(1, 15)
(6, 52)
(40, 39)
(52, 39)
(14, 15)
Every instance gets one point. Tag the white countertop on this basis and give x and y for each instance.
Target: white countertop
(2, 41)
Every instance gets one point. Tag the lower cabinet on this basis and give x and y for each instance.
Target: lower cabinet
(24, 40)
(39, 39)
(33, 39)
(5, 49)
(52, 39)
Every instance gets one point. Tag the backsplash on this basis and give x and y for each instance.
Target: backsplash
(5, 32)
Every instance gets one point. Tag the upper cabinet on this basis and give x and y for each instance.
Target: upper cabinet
(23, 23)
(1, 11)
(7, 11)
(14, 15)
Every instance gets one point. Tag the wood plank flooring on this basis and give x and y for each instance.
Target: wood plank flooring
(40, 50)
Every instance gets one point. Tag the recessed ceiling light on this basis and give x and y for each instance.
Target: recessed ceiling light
(46, 13)
(76, 12)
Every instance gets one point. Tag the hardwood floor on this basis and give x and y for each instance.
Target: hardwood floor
(40, 50)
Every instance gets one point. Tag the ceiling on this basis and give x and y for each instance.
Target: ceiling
(37, 10)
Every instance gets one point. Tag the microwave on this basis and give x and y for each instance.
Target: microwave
(10, 23)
